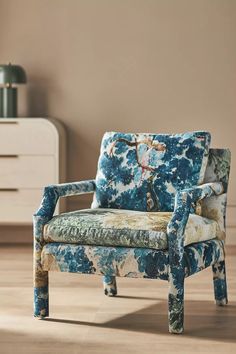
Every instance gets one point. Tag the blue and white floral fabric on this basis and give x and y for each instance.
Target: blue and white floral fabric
(126, 261)
(144, 171)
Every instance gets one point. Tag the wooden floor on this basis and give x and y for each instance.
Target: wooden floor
(83, 320)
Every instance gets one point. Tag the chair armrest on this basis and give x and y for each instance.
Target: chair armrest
(176, 226)
(206, 190)
(53, 192)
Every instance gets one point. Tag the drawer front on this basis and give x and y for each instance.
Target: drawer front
(28, 137)
(19, 206)
(27, 171)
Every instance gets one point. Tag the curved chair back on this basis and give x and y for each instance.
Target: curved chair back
(218, 167)
(217, 170)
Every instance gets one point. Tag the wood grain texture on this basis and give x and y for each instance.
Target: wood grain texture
(83, 320)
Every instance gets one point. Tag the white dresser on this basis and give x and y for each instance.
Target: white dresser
(32, 155)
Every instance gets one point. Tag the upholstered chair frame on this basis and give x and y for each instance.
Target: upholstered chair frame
(174, 264)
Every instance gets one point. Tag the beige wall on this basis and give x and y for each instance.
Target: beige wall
(128, 65)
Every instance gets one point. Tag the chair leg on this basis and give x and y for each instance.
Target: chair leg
(109, 285)
(176, 306)
(41, 306)
(220, 285)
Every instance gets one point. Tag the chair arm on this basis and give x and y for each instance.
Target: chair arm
(203, 191)
(176, 226)
(53, 192)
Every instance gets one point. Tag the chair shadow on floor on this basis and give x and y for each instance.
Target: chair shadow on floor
(203, 319)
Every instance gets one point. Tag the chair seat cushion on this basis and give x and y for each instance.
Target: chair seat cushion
(126, 228)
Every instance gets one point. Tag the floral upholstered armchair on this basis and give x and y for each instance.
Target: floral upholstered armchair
(158, 212)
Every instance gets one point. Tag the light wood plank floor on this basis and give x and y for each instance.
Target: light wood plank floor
(83, 320)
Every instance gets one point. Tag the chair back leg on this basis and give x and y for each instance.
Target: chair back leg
(220, 285)
(109, 285)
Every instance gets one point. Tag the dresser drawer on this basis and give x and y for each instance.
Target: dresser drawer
(19, 206)
(32, 156)
(28, 137)
(27, 171)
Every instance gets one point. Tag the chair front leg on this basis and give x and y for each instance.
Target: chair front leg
(175, 234)
(220, 284)
(109, 285)
(41, 305)
(176, 303)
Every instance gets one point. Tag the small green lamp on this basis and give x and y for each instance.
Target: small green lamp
(10, 75)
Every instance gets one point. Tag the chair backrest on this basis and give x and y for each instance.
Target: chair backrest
(218, 167)
(144, 171)
(217, 170)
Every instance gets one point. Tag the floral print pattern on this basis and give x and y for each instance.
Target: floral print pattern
(126, 228)
(127, 261)
(144, 171)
